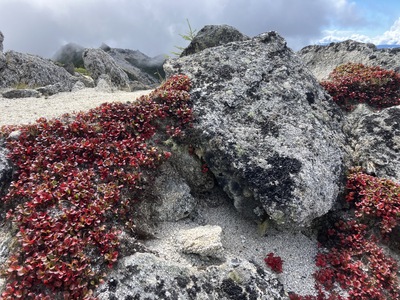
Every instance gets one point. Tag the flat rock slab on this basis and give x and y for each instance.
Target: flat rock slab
(265, 128)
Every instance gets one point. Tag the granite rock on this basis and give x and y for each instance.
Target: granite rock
(212, 36)
(374, 137)
(98, 63)
(265, 128)
(31, 71)
(146, 276)
(321, 60)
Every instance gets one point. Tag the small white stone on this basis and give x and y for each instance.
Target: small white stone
(202, 240)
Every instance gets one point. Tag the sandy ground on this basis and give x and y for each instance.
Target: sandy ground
(28, 110)
(241, 238)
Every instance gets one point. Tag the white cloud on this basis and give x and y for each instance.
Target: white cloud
(390, 37)
(153, 26)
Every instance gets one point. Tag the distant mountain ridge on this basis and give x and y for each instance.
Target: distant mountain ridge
(387, 46)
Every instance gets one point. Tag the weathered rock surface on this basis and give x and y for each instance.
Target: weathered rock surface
(1, 41)
(5, 170)
(98, 63)
(144, 72)
(33, 71)
(2, 61)
(321, 60)
(6, 239)
(2, 57)
(173, 198)
(138, 66)
(21, 93)
(212, 36)
(265, 128)
(202, 240)
(375, 140)
(145, 276)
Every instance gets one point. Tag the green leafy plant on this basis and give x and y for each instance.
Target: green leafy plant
(189, 36)
(76, 182)
(351, 84)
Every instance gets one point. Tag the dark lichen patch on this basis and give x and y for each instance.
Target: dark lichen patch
(182, 281)
(252, 91)
(112, 285)
(234, 291)
(207, 287)
(276, 182)
(225, 72)
(394, 119)
(269, 128)
(310, 98)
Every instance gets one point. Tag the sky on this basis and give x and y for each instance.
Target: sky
(154, 26)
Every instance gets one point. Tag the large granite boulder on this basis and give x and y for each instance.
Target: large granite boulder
(374, 137)
(98, 63)
(321, 60)
(212, 36)
(32, 71)
(265, 128)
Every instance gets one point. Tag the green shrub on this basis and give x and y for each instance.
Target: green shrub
(351, 84)
(82, 71)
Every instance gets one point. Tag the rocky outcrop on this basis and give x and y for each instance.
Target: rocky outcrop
(145, 276)
(5, 169)
(375, 140)
(70, 53)
(212, 36)
(265, 128)
(2, 61)
(98, 63)
(21, 93)
(143, 71)
(321, 60)
(138, 66)
(1, 41)
(26, 71)
(33, 71)
(2, 57)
